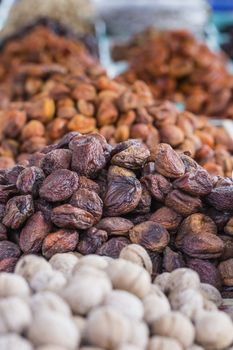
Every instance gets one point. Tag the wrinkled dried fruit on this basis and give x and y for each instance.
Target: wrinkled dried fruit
(115, 226)
(18, 210)
(61, 241)
(183, 203)
(168, 162)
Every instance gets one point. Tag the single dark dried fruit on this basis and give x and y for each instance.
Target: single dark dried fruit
(221, 198)
(206, 246)
(144, 204)
(197, 183)
(88, 155)
(150, 235)
(56, 159)
(122, 196)
(167, 161)
(226, 272)
(228, 247)
(91, 240)
(115, 226)
(3, 232)
(6, 191)
(132, 157)
(157, 185)
(9, 255)
(113, 247)
(172, 260)
(18, 210)
(207, 271)
(88, 184)
(88, 201)
(68, 216)
(183, 203)
(59, 185)
(62, 241)
(29, 180)
(166, 217)
(33, 233)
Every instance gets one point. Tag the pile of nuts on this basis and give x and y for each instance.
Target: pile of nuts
(74, 302)
(57, 87)
(84, 195)
(178, 67)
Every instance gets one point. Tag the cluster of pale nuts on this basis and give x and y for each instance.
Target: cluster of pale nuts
(94, 302)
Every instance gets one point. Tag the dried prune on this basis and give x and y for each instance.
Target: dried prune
(68, 216)
(167, 218)
(9, 255)
(18, 210)
(33, 233)
(172, 260)
(91, 240)
(221, 198)
(183, 203)
(167, 161)
(59, 185)
(150, 235)
(88, 201)
(122, 196)
(207, 271)
(132, 157)
(113, 247)
(61, 241)
(56, 159)
(29, 180)
(157, 185)
(115, 226)
(197, 183)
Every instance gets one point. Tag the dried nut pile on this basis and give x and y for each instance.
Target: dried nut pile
(84, 195)
(74, 302)
(178, 67)
(56, 87)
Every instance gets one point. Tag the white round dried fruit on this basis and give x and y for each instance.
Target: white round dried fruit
(51, 347)
(139, 334)
(13, 285)
(214, 330)
(107, 328)
(129, 276)
(183, 278)
(80, 323)
(128, 347)
(162, 281)
(47, 280)
(196, 347)
(187, 301)
(96, 261)
(14, 342)
(86, 290)
(211, 293)
(163, 343)
(15, 315)
(155, 305)
(49, 301)
(138, 255)
(53, 328)
(175, 325)
(29, 265)
(126, 303)
(64, 262)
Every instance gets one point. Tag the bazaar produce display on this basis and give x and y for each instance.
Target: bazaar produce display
(179, 67)
(84, 195)
(57, 87)
(92, 302)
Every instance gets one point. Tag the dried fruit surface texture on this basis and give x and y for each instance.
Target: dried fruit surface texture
(58, 87)
(97, 199)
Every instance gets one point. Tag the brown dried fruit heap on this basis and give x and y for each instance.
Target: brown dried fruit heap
(57, 87)
(178, 67)
(84, 195)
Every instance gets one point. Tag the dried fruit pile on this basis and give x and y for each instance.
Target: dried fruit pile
(57, 87)
(84, 195)
(178, 67)
(74, 302)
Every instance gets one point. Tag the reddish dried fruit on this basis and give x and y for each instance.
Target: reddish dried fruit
(172, 260)
(9, 255)
(88, 201)
(68, 216)
(167, 218)
(122, 196)
(62, 241)
(157, 185)
(115, 226)
(197, 183)
(221, 198)
(207, 271)
(132, 157)
(226, 272)
(33, 233)
(91, 240)
(57, 159)
(168, 162)
(113, 247)
(59, 185)
(150, 235)
(18, 210)
(183, 203)
(29, 180)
